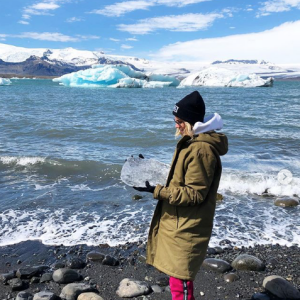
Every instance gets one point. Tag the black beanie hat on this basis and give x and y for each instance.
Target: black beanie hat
(191, 108)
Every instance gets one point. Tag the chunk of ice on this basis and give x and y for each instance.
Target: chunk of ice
(5, 81)
(115, 76)
(136, 171)
(222, 77)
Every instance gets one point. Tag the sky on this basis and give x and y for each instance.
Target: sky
(167, 30)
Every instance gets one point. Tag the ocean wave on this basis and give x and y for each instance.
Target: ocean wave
(241, 182)
(21, 161)
(243, 220)
(59, 167)
(56, 228)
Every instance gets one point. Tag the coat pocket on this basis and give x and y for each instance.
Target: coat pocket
(168, 218)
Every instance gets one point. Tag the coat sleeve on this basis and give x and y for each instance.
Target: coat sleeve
(198, 178)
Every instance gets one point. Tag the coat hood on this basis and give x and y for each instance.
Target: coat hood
(206, 133)
(212, 122)
(218, 140)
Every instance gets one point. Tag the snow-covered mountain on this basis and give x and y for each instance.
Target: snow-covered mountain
(56, 62)
(78, 58)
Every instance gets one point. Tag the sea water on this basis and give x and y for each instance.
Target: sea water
(62, 150)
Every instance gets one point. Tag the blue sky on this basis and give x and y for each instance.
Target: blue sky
(158, 29)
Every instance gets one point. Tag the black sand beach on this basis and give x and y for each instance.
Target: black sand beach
(209, 284)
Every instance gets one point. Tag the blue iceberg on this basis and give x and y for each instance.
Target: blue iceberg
(4, 81)
(116, 76)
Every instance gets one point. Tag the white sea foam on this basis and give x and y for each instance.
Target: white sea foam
(85, 187)
(257, 183)
(21, 161)
(80, 187)
(247, 222)
(44, 187)
(242, 219)
(57, 228)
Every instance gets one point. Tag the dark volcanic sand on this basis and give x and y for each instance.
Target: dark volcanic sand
(285, 263)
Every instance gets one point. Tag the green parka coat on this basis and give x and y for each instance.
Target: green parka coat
(183, 219)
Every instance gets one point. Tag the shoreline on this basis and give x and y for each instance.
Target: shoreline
(209, 285)
(9, 76)
(21, 76)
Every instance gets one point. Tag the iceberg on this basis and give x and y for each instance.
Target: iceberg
(116, 76)
(139, 83)
(219, 77)
(4, 81)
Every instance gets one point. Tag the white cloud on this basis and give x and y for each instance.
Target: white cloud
(51, 36)
(121, 8)
(23, 22)
(45, 6)
(274, 6)
(73, 19)
(42, 8)
(132, 39)
(187, 22)
(38, 9)
(178, 3)
(232, 27)
(87, 37)
(48, 36)
(3, 37)
(114, 40)
(26, 17)
(278, 45)
(126, 47)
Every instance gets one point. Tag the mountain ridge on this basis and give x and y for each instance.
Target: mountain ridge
(43, 62)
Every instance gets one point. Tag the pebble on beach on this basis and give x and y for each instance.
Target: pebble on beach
(45, 295)
(24, 296)
(75, 263)
(29, 272)
(95, 256)
(132, 288)
(66, 276)
(280, 287)
(247, 262)
(217, 265)
(16, 284)
(89, 296)
(260, 296)
(286, 202)
(72, 290)
(230, 277)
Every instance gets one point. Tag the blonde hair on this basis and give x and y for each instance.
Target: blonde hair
(188, 130)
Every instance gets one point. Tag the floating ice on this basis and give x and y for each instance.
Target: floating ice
(136, 171)
(5, 81)
(222, 77)
(115, 76)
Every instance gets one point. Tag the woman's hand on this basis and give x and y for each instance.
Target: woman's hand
(148, 188)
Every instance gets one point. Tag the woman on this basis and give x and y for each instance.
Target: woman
(183, 219)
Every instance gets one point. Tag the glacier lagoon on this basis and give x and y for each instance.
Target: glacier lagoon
(123, 76)
(63, 149)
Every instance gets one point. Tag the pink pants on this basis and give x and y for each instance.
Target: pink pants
(181, 289)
